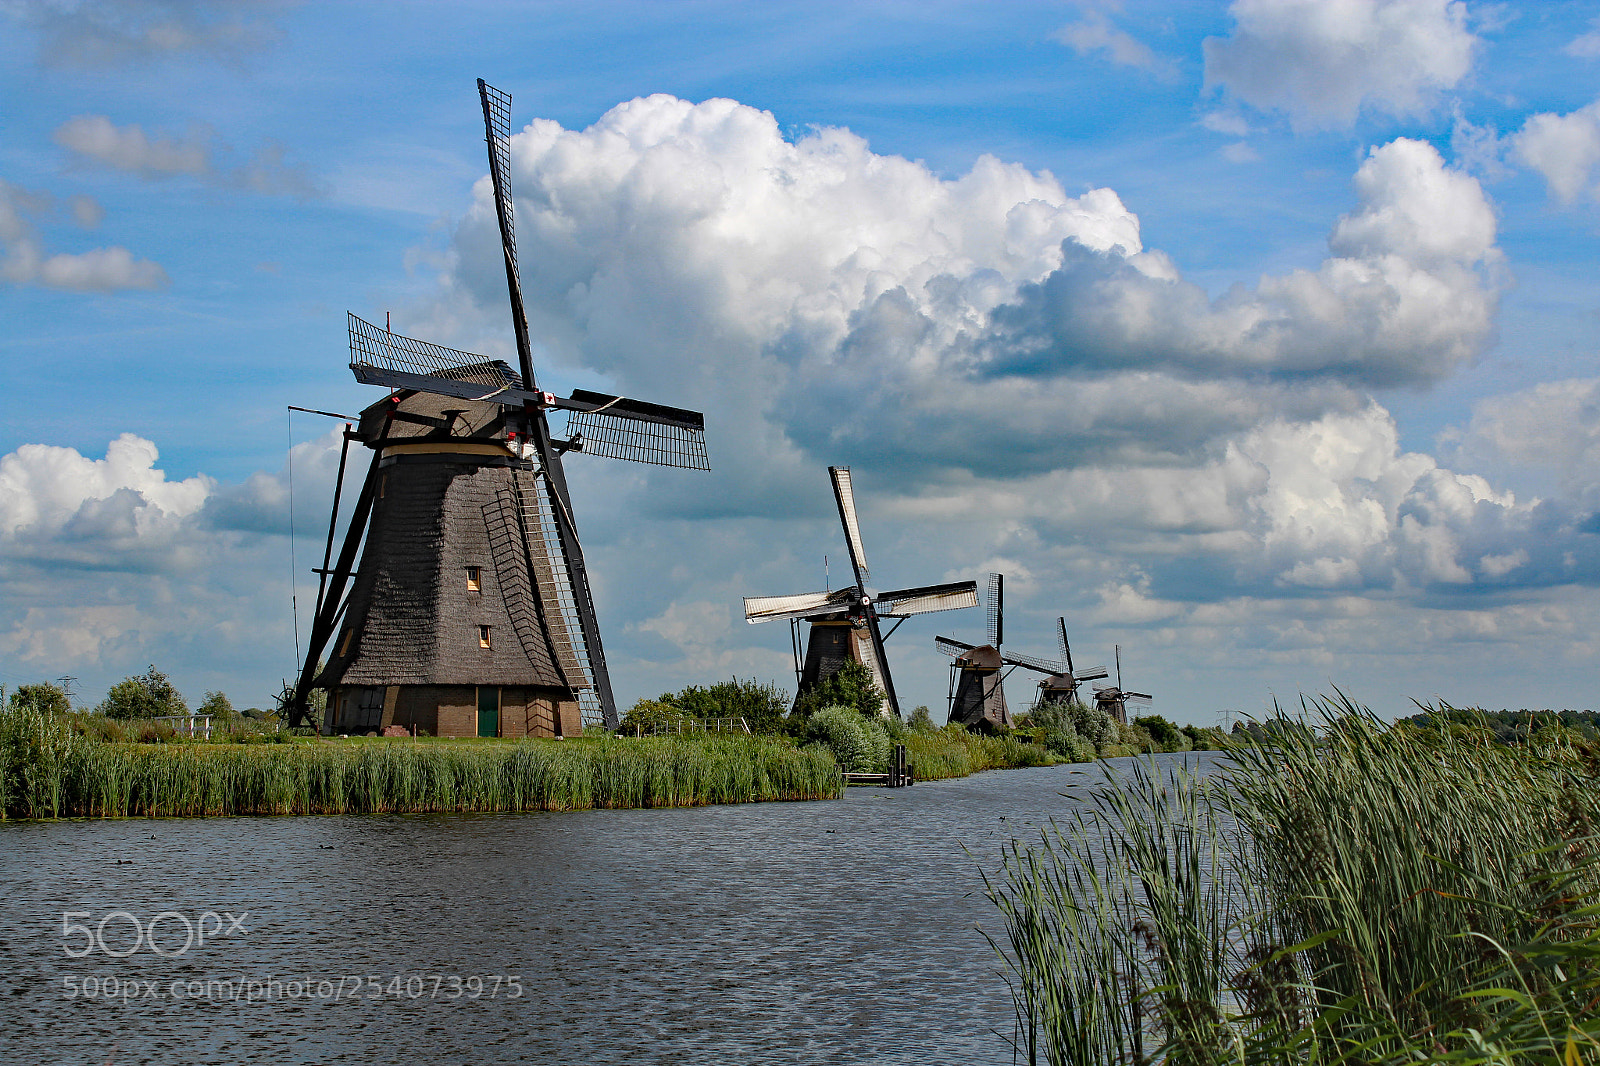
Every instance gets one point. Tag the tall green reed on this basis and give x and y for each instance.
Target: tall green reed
(1365, 893)
(48, 772)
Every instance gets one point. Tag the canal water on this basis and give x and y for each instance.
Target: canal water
(833, 932)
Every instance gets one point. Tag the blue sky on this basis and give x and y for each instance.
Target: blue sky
(1256, 338)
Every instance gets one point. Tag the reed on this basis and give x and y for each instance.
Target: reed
(958, 753)
(57, 775)
(1364, 893)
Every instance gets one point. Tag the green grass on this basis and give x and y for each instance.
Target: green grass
(1366, 894)
(46, 772)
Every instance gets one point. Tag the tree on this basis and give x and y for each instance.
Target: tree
(761, 705)
(219, 707)
(146, 695)
(851, 687)
(44, 698)
(921, 720)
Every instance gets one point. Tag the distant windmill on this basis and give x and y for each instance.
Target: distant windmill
(1062, 684)
(1114, 700)
(977, 676)
(471, 611)
(844, 624)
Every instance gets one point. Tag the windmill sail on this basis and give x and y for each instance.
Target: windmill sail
(903, 603)
(378, 357)
(845, 497)
(951, 646)
(800, 605)
(1033, 662)
(997, 611)
(620, 428)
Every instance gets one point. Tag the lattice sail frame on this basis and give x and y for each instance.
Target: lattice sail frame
(497, 113)
(620, 434)
(372, 347)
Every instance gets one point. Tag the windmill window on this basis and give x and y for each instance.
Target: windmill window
(483, 637)
(383, 486)
(474, 579)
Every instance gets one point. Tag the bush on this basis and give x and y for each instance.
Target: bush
(858, 744)
(44, 698)
(146, 695)
(1090, 723)
(1052, 725)
(1167, 736)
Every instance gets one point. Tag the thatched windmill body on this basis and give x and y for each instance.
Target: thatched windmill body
(977, 697)
(1062, 685)
(844, 626)
(470, 612)
(1115, 700)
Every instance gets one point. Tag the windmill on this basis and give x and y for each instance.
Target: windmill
(978, 672)
(844, 625)
(1114, 700)
(1062, 685)
(471, 610)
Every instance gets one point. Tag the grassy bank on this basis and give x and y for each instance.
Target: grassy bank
(1360, 893)
(47, 772)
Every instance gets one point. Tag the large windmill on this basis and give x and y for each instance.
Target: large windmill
(844, 625)
(978, 672)
(1115, 700)
(1062, 684)
(471, 611)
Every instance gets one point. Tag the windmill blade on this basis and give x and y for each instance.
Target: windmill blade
(845, 497)
(997, 596)
(1091, 673)
(799, 605)
(1033, 662)
(378, 357)
(497, 127)
(952, 647)
(1066, 649)
(497, 132)
(620, 428)
(903, 603)
(1141, 699)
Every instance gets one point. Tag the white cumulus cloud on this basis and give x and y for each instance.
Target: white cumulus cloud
(818, 299)
(1565, 149)
(1321, 61)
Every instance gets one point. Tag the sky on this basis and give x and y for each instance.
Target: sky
(1256, 339)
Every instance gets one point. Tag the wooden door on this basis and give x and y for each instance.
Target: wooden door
(488, 711)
